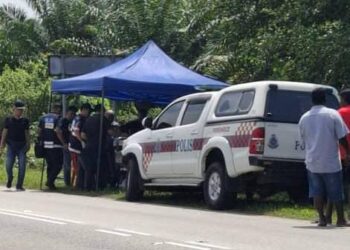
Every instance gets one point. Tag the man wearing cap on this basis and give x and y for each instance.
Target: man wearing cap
(53, 147)
(16, 136)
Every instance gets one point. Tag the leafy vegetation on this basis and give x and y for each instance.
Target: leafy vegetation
(233, 40)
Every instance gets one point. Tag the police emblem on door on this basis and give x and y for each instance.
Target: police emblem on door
(273, 142)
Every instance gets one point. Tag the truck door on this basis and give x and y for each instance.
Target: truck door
(161, 143)
(188, 137)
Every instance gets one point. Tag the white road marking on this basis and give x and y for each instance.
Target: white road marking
(207, 245)
(112, 232)
(132, 232)
(33, 218)
(28, 212)
(186, 245)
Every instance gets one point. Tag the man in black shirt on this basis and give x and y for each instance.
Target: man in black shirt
(134, 126)
(52, 145)
(63, 134)
(91, 135)
(16, 136)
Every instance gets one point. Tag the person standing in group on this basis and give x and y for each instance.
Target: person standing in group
(16, 136)
(91, 134)
(63, 133)
(53, 147)
(133, 126)
(322, 129)
(75, 146)
(112, 143)
(344, 112)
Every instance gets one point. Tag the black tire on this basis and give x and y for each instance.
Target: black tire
(216, 191)
(134, 183)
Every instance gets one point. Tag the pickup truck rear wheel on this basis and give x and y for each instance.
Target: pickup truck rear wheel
(134, 183)
(216, 192)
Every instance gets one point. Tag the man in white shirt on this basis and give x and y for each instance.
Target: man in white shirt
(322, 129)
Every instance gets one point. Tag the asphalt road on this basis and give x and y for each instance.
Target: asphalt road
(44, 220)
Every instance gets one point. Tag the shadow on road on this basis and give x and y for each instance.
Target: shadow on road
(315, 227)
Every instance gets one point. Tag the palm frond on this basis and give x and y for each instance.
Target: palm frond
(10, 12)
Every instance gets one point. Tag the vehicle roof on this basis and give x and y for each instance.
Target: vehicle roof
(288, 85)
(197, 95)
(299, 86)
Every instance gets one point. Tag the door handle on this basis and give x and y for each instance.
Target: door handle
(169, 136)
(194, 132)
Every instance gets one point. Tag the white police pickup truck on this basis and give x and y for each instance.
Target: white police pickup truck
(243, 138)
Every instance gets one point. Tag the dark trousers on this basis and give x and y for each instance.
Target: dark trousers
(81, 173)
(89, 157)
(66, 167)
(113, 174)
(54, 160)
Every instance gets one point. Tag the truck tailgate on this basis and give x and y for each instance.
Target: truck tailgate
(282, 140)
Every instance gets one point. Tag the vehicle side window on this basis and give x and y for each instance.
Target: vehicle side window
(235, 103)
(246, 101)
(169, 116)
(193, 111)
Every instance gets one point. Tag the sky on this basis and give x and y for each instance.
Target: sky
(20, 4)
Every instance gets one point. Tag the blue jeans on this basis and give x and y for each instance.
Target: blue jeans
(12, 153)
(327, 185)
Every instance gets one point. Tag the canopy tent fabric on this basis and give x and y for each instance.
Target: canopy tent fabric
(146, 75)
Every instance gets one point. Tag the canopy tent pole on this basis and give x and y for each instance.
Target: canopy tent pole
(63, 97)
(43, 166)
(99, 153)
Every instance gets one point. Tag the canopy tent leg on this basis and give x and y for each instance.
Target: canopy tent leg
(99, 153)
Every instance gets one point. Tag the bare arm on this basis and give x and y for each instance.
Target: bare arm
(3, 138)
(59, 134)
(344, 142)
(78, 135)
(83, 136)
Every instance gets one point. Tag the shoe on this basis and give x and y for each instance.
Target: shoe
(322, 222)
(20, 189)
(51, 186)
(342, 224)
(9, 183)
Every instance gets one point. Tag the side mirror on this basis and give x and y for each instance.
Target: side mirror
(147, 122)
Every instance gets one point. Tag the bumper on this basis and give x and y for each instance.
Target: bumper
(280, 171)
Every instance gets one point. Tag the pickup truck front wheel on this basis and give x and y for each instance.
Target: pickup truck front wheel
(134, 183)
(216, 193)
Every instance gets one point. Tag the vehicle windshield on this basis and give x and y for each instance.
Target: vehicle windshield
(289, 106)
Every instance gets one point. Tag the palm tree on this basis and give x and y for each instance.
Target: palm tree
(21, 38)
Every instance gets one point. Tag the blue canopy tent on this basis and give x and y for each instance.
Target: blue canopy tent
(146, 75)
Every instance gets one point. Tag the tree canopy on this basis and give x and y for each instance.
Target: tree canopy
(233, 40)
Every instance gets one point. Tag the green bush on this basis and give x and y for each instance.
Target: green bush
(29, 83)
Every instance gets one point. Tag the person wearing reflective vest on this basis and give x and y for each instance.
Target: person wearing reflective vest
(52, 145)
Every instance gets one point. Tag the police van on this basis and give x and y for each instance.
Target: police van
(244, 138)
